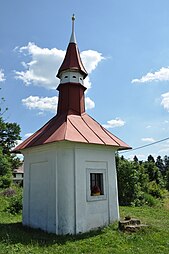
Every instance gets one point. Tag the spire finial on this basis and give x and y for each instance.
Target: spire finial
(73, 38)
(73, 17)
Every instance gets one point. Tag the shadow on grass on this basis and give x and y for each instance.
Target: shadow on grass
(14, 233)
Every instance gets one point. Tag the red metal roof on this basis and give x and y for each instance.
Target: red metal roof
(72, 60)
(75, 128)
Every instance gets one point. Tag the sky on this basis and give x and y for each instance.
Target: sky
(124, 46)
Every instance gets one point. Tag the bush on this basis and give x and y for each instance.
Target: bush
(150, 200)
(5, 171)
(15, 202)
(9, 192)
(5, 181)
(154, 189)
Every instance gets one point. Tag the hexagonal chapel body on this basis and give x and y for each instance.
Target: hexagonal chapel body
(70, 183)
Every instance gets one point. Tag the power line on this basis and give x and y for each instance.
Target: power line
(150, 144)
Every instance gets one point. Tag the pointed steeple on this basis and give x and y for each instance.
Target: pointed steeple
(73, 38)
(71, 74)
(72, 122)
(72, 60)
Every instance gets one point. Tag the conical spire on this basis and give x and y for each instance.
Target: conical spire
(71, 122)
(72, 60)
(73, 38)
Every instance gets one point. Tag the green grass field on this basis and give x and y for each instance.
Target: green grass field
(14, 238)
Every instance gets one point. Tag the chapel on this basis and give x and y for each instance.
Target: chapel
(70, 181)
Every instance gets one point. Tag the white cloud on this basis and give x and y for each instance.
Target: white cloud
(49, 103)
(89, 104)
(27, 135)
(44, 64)
(41, 103)
(161, 75)
(165, 101)
(117, 122)
(42, 69)
(164, 150)
(148, 140)
(139, 156)
(2, 76)
(148, 126)
(90, 59)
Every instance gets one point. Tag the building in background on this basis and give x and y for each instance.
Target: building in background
(18, 175)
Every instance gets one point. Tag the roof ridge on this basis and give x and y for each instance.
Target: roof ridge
(92, 130)
(77, 130)
(106, 131)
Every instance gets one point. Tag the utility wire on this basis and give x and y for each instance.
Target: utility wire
(150, 144)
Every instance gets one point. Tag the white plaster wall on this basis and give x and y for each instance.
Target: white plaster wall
(39, 203)
(93, 214)
(56, 189)
(66, 190)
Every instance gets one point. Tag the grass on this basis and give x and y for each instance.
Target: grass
(14, 238)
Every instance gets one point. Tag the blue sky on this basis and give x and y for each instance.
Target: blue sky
(125, 48)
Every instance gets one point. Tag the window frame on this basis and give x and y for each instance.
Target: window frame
(90, 171)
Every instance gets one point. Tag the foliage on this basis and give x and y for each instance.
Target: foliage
(154, 189)
(9, 192)
(9, 134)
(15, 200)
(5, 171)
(129, 188)
(167, 181)
(139, 181)
(150, 200)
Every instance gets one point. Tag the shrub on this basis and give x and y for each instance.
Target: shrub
(15, 202)
(149, 199)
(154, 189)
(5, 181)
(9, 192)
(5, 171)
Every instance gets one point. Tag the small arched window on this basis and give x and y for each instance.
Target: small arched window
(74, 76)
(66, 77)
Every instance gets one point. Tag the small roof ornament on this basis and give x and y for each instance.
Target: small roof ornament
(73, 38)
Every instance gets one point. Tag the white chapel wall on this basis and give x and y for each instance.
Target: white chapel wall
(66, 189)
(39, 204)
(56, 187)
(96, 213)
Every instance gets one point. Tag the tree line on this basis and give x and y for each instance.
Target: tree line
(141, 182)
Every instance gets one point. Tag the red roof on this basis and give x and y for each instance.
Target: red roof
(72, 60)
(75, 128)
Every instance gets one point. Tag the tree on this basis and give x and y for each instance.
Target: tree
(150, 159)
(159, 163)
(135, 159)
(9, 134)
(166, 164)
(129, 178)
(5, 171)
(167, 181)
(152, 170)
